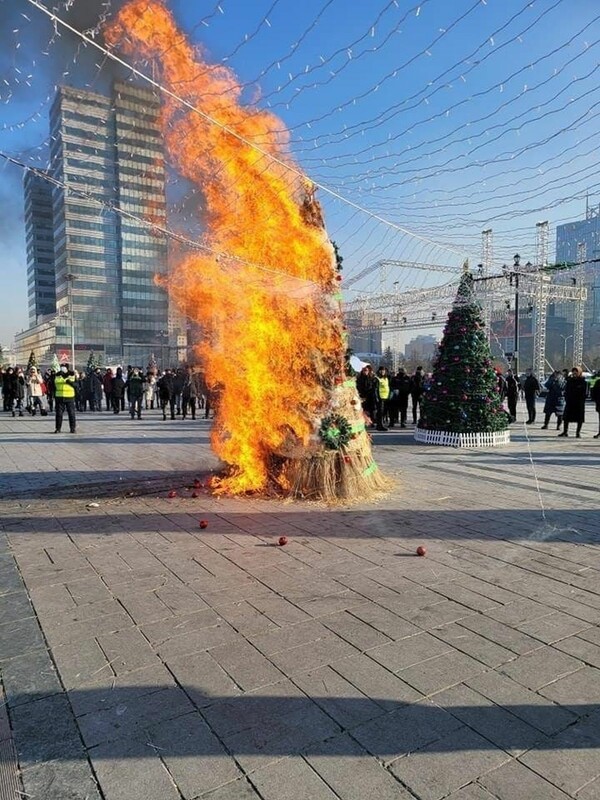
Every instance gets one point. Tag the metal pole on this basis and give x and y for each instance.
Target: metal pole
(516, 347)
(70, 279)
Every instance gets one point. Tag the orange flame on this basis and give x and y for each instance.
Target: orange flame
(273, 339)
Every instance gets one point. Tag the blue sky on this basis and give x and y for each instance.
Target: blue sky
(443, 118)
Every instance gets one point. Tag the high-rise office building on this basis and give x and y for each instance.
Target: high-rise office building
(108, 149)
(39, 238)
(578, 242)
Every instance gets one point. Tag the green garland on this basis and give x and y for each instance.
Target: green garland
(335, 431)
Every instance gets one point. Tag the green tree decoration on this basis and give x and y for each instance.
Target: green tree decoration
(93, 362)
(32, 361)
(55, 363)
(463, 395)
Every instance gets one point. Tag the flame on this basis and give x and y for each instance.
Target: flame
(273, 343)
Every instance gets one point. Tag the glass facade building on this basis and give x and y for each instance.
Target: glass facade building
(575, 242)
(39, 238)
(105, 263)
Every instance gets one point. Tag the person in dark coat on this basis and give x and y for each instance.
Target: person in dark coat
(416, 393)
(595, 395)
(118, 391)
(531, 389)
(166, 393)
(107, 386)
(189, 395)
(575, 394)
(178, 382)
(366, 384)
(512, 394)
(135, 387)
(401, 385)
(555, 399)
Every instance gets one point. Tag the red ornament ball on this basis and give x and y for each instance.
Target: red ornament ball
(338, 277)
(421, 551)
(172, 493)
(203, 524)
(347, 459)
(283, 540)
(195, 494)
(197, 483)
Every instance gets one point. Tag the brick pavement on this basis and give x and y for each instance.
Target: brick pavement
(145, 658)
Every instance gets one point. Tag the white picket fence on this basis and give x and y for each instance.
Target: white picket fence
(448, 439)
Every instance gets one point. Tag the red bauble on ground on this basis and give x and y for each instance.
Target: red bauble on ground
(421, 551)
(197, 483)
(195, 494)
(283, 540)
(172, 493)
(203, 523)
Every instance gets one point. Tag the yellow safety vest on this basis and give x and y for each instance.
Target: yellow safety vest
(384, 388)
(64, 388)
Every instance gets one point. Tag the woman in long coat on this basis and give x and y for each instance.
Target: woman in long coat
(555, 399)
(595, 395)
(575, 392)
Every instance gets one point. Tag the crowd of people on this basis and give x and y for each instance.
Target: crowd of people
(386, 398)
(178, 392)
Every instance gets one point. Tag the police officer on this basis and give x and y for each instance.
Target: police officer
(64, 394)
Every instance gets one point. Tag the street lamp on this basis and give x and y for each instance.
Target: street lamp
(516, 263)
(70, 278)
(565, 340)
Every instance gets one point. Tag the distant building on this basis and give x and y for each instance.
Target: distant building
(421, 348)
(39, 239)
(364, 332)
(575, 242)
(109, 149)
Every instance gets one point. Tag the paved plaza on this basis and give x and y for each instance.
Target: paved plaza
(145, 658)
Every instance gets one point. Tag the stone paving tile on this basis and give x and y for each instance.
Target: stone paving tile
(128, 720)
(60, 779)
(246, 666)
(203, 679)
(385, 688)
(501, 634)
(579, 690)
(573, 758)
(444, 766)
(291, 779)
(45, 730)
(408, 652)
(523, 703)
(441, 672)
(145, 557)
(513, 780)
(338, 697)
(29, 677)
(491, 721)
(479, 648)
(132, 770)
(352, 773)
(590, 791)
(541, 667)
(127, 650)
(105, 690)
(404, 730)
(553, 627)
(193, 755)
(581, 648)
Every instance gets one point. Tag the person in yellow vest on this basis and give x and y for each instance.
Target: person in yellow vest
(64, 394)
(382, 395)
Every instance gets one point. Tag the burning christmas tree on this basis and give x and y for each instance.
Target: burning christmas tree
(463, 397)
(264, 284)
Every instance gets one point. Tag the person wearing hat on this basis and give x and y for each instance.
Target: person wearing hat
(64, 393)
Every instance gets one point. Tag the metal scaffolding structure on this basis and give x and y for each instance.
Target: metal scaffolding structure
(426, 308)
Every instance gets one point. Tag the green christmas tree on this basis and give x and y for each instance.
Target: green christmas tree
(463, 396)
(55, 363)
(32, 361)
(93, 362)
